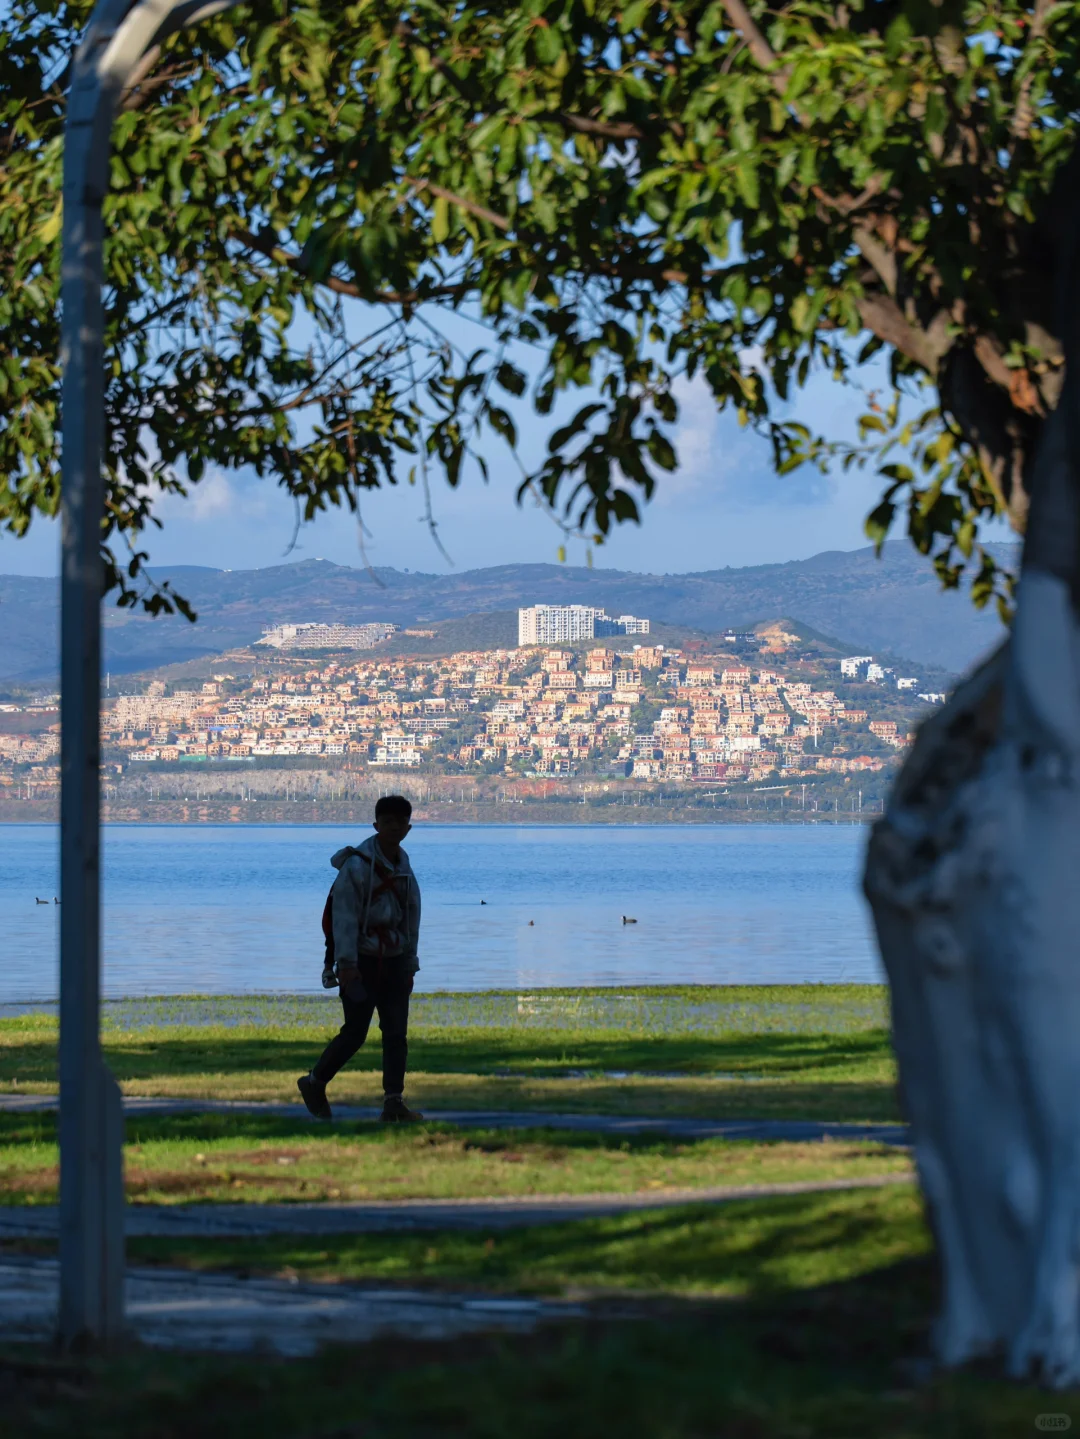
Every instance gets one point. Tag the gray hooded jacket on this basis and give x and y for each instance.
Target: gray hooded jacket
(375, 915)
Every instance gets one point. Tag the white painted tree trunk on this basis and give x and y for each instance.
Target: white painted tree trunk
(974, 880)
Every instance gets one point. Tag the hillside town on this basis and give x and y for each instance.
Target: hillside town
(613, 707)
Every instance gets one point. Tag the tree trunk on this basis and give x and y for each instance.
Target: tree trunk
(973, 878)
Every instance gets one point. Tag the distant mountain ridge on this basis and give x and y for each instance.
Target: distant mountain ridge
(889, 605)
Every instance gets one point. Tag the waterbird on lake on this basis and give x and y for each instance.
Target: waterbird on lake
(628, 921)
(483, 901)
(55, 900)
(40, 901)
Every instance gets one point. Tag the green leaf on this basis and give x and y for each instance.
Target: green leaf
(661, 451)
(640, 210)
(633, 15)
(879, 522)
(746, 177)
(510, 378)
(440, 220)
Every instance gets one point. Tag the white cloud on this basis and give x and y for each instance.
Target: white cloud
(725, 467)
(719, 462)
(211, 498)
(221, 496)
(695, 442)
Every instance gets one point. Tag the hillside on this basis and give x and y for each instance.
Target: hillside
(890, 605)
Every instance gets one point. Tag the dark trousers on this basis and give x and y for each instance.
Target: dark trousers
(385, 988)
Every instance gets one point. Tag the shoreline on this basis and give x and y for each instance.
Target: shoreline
(791, 992)
(315, 815)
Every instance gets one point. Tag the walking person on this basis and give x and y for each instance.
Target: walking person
(375, 917)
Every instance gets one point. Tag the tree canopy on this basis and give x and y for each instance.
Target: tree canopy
(633, 192)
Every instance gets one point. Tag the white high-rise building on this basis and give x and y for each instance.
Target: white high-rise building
(556, 624)
(563, 624)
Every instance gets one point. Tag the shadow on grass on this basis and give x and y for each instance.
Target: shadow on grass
(866, 1055)
(816, 1367)
(38, 1129)
(761, 1246)
(832, 1363)
(841, 1360)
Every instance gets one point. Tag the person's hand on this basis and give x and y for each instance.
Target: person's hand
(347, 974)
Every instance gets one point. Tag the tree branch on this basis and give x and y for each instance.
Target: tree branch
(1024, 114)
(607, 129)
(1002, 437)
(264, 245)
(925, 347)
(848, 204)
(1022, 389)
(879, 256)
(499, 221)
(759, 47)
(988, 353)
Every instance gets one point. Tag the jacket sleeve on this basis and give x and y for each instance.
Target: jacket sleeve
(412, 924)
(348, 896)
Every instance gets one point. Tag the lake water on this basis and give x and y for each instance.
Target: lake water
(236, 909)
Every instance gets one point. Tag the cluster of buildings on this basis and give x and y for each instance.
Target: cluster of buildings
(38, 749)
(644, 711)
(315, 636)
(537, 625)
(863, 667)
(553, 706)
(737, 722)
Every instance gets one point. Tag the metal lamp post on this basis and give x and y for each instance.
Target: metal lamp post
(120, 45)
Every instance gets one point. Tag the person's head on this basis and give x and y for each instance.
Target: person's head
(393, 819)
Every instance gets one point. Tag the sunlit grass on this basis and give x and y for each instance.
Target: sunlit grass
(819, 1051)
(746, 1247)
(637, 1009)
(256, 1159)
(654, 1010)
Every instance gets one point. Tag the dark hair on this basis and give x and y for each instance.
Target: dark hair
(389, 804)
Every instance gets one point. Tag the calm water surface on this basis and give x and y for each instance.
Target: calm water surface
(232, 909)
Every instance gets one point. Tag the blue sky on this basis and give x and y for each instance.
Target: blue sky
(724, 506)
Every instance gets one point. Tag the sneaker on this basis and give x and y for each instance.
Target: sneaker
(314, 1096)
(396, 1111)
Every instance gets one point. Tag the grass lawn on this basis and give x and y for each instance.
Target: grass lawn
(784, 1051)
(747, 1247)
(794, 1317)
(255, 1158)
(793, 1360)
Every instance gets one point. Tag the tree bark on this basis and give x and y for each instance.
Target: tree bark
(1004, 437)
(972, 878)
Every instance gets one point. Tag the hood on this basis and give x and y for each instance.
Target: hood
(368, 848)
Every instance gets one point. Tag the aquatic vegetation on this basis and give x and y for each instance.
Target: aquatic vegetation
(799, 1051)
(691, 1010)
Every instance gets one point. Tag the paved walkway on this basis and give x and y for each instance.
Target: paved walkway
(172, 1310)
(259, 1221)
(791, 1130)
